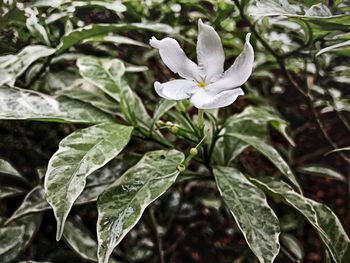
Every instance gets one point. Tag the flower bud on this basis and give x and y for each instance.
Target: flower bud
(181, 167)
(174, 129)
(160, 123)
(169, 123)
(193, 151)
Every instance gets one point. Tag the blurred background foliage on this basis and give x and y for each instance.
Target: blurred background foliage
(301, 74)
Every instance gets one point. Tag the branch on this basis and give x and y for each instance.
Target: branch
(158, 238)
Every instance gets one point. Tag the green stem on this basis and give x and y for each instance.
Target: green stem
(200, 121)
(189, 157)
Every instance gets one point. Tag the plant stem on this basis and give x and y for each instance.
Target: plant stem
(158, 238)
(200, 121)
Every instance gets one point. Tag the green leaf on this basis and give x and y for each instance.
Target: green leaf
(162, 107)
(106, 74)
(318, 10)
(81, 153)
(231, 146)
(342, 36)
(86, 92)
(8, 191)
(69, 7)
(281, 127)
(117, 40)
(35, 28)
(320, 216)
(7, 168)
(273, 8)
(78, 35)
(339, 105)
(322, 171)
(13, 15)
(333, 47)
(340, 102)
(318, 17)
(263, 116)
(122, 204)
(269, 152)
(103, 73)
(322, 26)
(249, 207)
(133, 108)
(12, 66)
(113, 5)
(251, 121)
(30, 224)
(20, 104)
(293, 246)
(10, 237)
(35, 200)
(79, 238)
(339, 150)
(52, 82)
(335, 238)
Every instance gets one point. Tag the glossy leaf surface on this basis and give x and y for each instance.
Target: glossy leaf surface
(7, 168)
(20, 104)
(86, 92)
(10, 237)
(80, 240)
(12, 66)
(28, 225)
(322, 171)
(320, 217)
(81, 153)
(96, 183)
(8, 191)
(107, 74)
(249, 207)
(122, 204)
(269, 152)
(78, 35)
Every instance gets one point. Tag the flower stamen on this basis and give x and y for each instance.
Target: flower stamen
(202, 84)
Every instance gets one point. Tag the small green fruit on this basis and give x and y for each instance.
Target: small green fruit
(193, 151)
(174, 129)
(169, 123)
(160, 123)
(181, 167)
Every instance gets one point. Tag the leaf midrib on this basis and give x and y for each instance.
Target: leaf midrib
(79, 164)
(139, 190)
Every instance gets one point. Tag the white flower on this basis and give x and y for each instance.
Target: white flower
(205, 84)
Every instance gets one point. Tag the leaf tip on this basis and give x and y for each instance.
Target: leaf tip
(58, 235)
(60, 227)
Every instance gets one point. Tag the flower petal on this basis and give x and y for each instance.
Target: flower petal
(239, 72)
(175, 58)
(178, 89)
(210, 53)
(206, 99)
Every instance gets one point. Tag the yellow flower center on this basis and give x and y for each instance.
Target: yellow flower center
(202, 84)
